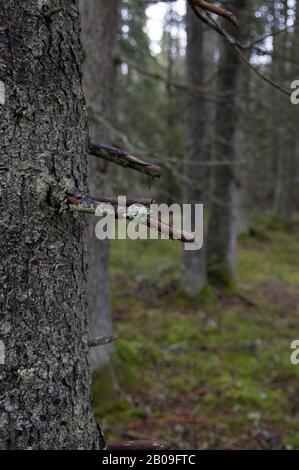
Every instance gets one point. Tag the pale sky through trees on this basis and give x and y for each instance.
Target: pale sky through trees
(156, 15)
(157, 12)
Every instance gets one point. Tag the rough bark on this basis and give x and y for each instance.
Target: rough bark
(193, 262)
(45, 382)
(222, 236)
(99, 35)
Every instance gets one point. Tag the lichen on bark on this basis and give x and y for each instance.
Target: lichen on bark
(45, 381)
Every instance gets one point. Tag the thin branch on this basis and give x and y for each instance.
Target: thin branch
(129, 200)
(218, 11)
(262, 38)
(205, 6)
(123, 158)
(211, 163)
(229, 15)
(139, 445)
(80, 202)
(194, 90)
(93, 343)
(190, 89)
(214, 25)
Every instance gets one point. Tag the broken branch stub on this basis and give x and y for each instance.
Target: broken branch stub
(93, 343)
(123, 158)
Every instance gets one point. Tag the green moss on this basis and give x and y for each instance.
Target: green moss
(210, 401)
(182, 332)
(206, 295)
(121, 410)
(215, 357)
(221, 275)
(292, 442)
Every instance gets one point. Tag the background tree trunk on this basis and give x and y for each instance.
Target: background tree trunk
(45, 394)
(193, 262)
(285, 136)
(241, 144)
(222, 236)
(283, 142)
(99, 35)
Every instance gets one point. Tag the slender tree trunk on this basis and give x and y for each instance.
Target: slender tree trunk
(170, 46)
(241, 151)
(286, 121)
(44, 383)
(222, 236)
(193, 262)
(99, 35)
(283, 151)
(294, 116)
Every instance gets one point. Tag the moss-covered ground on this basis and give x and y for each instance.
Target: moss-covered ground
(211, 373)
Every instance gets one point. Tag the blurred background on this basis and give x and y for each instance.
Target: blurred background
(203, 358)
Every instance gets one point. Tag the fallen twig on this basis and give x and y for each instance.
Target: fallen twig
(139, 445)
(247, 300)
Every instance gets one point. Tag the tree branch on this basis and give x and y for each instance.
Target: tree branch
(129, 201)
(238, 47)
(218, 11)
(123, 158)
(102, 341)
(80, 202)
(139, 445)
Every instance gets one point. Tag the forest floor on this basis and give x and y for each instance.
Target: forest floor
(212, 373)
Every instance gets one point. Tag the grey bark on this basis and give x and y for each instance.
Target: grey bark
(282, 151)
(241, 145)
(99, 35)
(193, 275)
(286, 135)
(45, 381)
(222, 235)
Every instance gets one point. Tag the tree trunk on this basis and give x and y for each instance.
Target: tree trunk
(241, 144)
(45, 394)
(222, 236)
(283, 143)
(99, 27)
(193, 276)
(286, 121)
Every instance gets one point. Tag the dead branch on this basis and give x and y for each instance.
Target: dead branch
(102, 341)
(208, 20)
(129, 201)
(123, 158)
(218, 11)
(80, 202)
